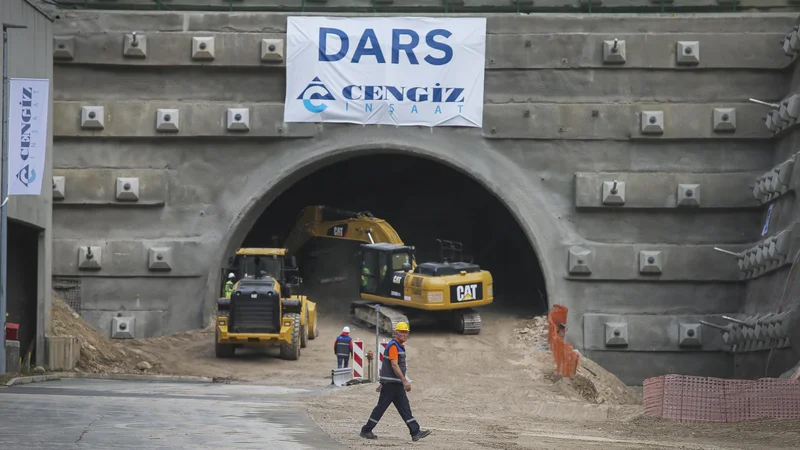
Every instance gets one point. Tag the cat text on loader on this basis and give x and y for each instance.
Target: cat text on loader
(446, 290)
(264, 307)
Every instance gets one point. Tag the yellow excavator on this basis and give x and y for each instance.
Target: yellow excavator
(390, 276)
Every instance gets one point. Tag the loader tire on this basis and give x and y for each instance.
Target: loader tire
(223, 350)
(314, 331)
(304, 333)
(292, 351)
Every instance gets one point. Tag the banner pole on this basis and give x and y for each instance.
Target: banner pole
(4, 204)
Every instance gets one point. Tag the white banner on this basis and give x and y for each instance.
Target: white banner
(27, 135)
(385, 70)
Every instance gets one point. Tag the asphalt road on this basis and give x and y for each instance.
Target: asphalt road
(122, 415)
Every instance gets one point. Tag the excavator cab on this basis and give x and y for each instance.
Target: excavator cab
(384, 268)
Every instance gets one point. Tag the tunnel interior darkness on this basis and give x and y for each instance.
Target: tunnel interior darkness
(423, 200)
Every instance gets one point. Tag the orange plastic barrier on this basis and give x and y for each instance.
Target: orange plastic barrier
(564, 355)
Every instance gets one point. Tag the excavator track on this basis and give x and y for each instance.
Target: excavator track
(363, 313)
(467, 321)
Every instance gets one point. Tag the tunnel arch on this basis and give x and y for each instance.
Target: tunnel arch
(306, 165)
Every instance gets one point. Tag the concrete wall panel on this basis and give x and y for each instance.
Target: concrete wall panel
(139, 119)
(503, 51)
(130, 258)
(622, 262)
(601, 121)
(662, 190)
(661, 333)
(539, 130)
(265, 84)
(99, 187)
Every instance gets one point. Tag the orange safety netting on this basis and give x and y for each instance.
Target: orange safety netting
(564, 355)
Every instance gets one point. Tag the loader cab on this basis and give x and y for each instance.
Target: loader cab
(384, 268)
(265, 264)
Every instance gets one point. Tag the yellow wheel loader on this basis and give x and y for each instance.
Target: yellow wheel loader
(264, 308)
(390, 276)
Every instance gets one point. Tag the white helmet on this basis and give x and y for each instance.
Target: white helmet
(230, 275)
(346, 330)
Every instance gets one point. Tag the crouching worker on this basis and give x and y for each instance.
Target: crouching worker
(343, 348)
(393, 387)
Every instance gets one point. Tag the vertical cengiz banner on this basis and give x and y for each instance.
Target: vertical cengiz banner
(385, 70)
(27, 134)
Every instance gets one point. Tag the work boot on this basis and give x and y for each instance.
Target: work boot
(420, 434)
(368, 435)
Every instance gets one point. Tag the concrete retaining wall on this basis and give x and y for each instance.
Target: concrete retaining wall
(559, 123)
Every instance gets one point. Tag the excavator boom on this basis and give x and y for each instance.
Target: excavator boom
(324, 221)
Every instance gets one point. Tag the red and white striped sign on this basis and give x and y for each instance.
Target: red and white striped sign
(358, 359)
(383, 350)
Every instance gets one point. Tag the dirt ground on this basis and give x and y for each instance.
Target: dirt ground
(496, 390)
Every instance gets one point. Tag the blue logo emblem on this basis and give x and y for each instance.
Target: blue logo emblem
(27, 175)
(316, 91)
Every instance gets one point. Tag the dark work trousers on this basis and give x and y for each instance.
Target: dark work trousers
(392, 393)
(343, 361)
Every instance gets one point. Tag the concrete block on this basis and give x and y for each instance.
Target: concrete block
(724, 119)
(238, 119)
(785, 170)
(123, 327)
(160, 258)
(613, 192)
(59, 187)
(90, 257)
(650, 262)
(691, 335)
(794, 40)
(93, 117)
(127, 189)
(688, 53)
(12, 357)
(167, 119)
(149, 323)
(203, 48)
(63, 48)
(135, 45)
(63, 352)
(786, 44)
(793, 106)
(688, 195)
(652, 122)
(616, 334)
(772, 251)
(272, 50)
(580, 260)
(767, 119)
(614, 51)
(340, 377)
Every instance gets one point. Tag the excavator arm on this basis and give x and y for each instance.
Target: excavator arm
(327, 222)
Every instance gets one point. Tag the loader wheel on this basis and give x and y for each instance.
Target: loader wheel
(314, 331)
(292, 351)
(304, 333)
(223, 350)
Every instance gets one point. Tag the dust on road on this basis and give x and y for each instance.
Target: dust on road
(496, 390)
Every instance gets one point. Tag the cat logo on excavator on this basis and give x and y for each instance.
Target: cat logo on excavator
(466, 292)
